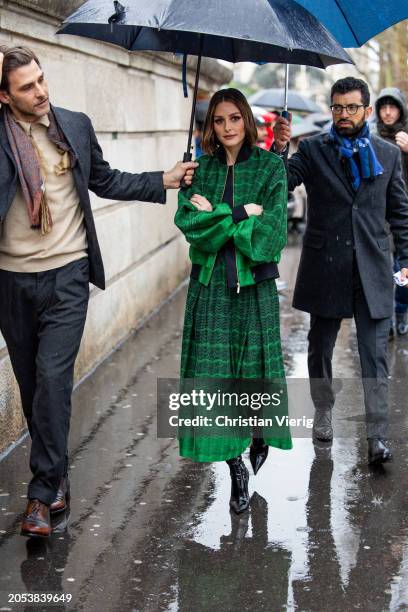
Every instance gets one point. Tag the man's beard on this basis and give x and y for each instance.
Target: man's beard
(350, 131)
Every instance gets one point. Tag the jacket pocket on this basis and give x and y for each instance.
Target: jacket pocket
(314, 239)
(384, 243)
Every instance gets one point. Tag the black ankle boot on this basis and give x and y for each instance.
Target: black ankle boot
(258, 452)
(322, 425)
(378, 451)
(239, 500)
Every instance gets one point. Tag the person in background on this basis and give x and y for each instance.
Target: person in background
(392, 125)
(198, 135)
(200, 113)
(270, 118)
(262, 131)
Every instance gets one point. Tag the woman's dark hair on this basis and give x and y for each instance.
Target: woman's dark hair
(15, 57)
(210, 141)
(348, 84)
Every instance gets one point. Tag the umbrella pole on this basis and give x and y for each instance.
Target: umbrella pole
(285, 113)
(188, 155)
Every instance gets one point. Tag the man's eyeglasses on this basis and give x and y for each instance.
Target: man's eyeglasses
(351, 109)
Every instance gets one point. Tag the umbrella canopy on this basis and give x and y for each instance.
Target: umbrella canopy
(354, 22)
(249, 30)
(273, 98)
(312, 124)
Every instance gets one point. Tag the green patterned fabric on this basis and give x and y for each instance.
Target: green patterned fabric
(260, 180)
(229, 334)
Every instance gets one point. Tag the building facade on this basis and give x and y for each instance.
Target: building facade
(141, 119)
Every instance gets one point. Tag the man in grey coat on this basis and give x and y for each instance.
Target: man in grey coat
(391, 112)
(354, 186)
(49, 252)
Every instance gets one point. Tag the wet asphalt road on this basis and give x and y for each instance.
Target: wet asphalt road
(150, 531)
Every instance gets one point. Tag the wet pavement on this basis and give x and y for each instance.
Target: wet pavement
(151, 531)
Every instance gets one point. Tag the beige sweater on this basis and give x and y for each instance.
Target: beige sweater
(23, 249)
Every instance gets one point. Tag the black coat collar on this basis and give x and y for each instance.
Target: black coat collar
(243, 155)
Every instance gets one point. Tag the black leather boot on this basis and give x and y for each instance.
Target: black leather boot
(322, 427)
(378, 452)
(239, 500)
(258, 452)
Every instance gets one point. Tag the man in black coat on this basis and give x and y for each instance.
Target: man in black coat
(355, 189)
(49, 252)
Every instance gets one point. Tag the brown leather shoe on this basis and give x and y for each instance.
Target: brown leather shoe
(36, 521)
(61, 500)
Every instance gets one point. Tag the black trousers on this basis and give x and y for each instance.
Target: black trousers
(42, 318)
(372, 340)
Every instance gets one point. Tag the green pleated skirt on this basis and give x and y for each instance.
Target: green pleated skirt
(231, 335)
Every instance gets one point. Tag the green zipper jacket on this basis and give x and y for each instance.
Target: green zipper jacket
(259, 177)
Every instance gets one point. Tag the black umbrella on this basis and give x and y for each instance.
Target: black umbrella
(312, 124)
(272, 98)
(234, 30)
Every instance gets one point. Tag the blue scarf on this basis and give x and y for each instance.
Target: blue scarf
(369, 166)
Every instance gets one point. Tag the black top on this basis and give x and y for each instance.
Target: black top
(228, 250)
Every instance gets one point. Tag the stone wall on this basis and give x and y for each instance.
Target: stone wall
(141, 119)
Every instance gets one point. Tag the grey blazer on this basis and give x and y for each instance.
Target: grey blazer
(343, 225)
(91, 172)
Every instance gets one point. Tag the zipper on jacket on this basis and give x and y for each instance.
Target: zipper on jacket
(235, 250)
(236, 267)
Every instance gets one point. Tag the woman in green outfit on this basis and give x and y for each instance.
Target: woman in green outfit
(234, 217)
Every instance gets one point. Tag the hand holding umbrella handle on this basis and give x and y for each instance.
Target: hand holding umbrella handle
(282, 132)
(187, 157)
(181, 172)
